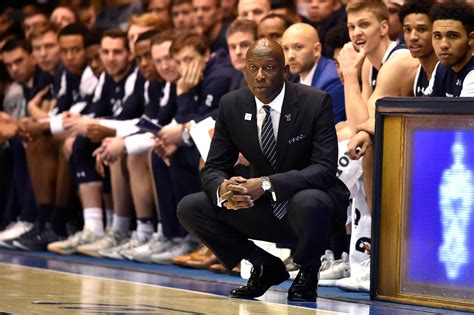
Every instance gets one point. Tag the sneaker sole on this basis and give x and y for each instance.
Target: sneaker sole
(6, 244)
(94, 254)
(23, 247)
(327, 282)
(61, 251)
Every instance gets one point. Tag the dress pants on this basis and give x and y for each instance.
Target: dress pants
(227, 232)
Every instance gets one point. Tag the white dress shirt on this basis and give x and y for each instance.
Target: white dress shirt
(308, 79)
(275, 113)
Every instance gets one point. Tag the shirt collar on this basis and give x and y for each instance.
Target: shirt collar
(276, 104)
(309, 77)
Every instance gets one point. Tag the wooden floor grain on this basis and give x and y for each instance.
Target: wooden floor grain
(26, 290)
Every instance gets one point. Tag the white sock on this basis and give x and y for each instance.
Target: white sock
(121, 224)
(109, 217)
(93, 220)
(144, 230)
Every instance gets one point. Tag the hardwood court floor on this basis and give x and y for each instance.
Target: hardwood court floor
(27, 290)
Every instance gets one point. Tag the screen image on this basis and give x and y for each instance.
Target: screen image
(440, 216)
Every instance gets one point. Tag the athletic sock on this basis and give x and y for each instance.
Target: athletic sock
(121, 224)
(145, 229)
(93, 220)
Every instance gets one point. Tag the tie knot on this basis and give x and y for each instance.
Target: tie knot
(266, 108)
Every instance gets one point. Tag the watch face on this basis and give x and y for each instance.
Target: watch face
(266, 185)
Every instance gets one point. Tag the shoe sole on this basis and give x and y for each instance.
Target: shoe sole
(277, 282)
(88, 253)
(4, 244)
(61, 251)
(23, 247)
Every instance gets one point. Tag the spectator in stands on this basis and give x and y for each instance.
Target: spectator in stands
(325, 14)
(229, 10)
(161, 9)
(32, 19)
(453, 32)
(253, 10)
(240, 36)
(394, 24)
(303, 56)
(273, 26)
(182, 14)
(87, 14)
(117, 13)
(62, 16)
(288, 8)
(140, 24)
(208, 22)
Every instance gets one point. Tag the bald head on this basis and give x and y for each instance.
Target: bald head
(265, 69)
(302, 31)
(267, 46)
(302, 48)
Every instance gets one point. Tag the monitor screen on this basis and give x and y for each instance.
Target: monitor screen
(438, 243)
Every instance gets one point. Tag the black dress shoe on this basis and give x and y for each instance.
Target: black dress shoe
(304, 286)
(261, 279)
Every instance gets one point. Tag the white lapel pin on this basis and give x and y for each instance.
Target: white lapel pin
(288, 117)
(248, 116)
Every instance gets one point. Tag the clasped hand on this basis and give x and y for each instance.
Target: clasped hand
(240, 193)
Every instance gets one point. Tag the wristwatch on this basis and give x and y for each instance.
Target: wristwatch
(266, 184)
(185, 134)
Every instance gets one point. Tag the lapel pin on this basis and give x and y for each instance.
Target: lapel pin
(248, 116)
(288, 117)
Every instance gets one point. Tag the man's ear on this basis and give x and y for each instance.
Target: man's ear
(286, 70)
(470, 38)
(317, 48)
(384, 28)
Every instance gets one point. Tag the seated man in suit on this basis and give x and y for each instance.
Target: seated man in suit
(286, 131)
(303, 55)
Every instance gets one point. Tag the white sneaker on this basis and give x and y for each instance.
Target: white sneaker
(68, 246)
(338, 269)
(14, 230)
(180, 247)
(113, 238)
(157, 244)
(326, 260)
(360, 279)
(115, 252)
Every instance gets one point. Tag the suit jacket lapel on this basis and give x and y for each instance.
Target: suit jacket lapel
(322, 62)
(287, 119)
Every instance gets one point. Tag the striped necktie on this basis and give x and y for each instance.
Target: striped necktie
(269, 151)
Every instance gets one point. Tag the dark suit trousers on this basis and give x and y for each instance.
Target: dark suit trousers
(227, 232)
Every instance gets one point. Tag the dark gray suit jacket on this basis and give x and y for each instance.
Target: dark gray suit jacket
(306, 144)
